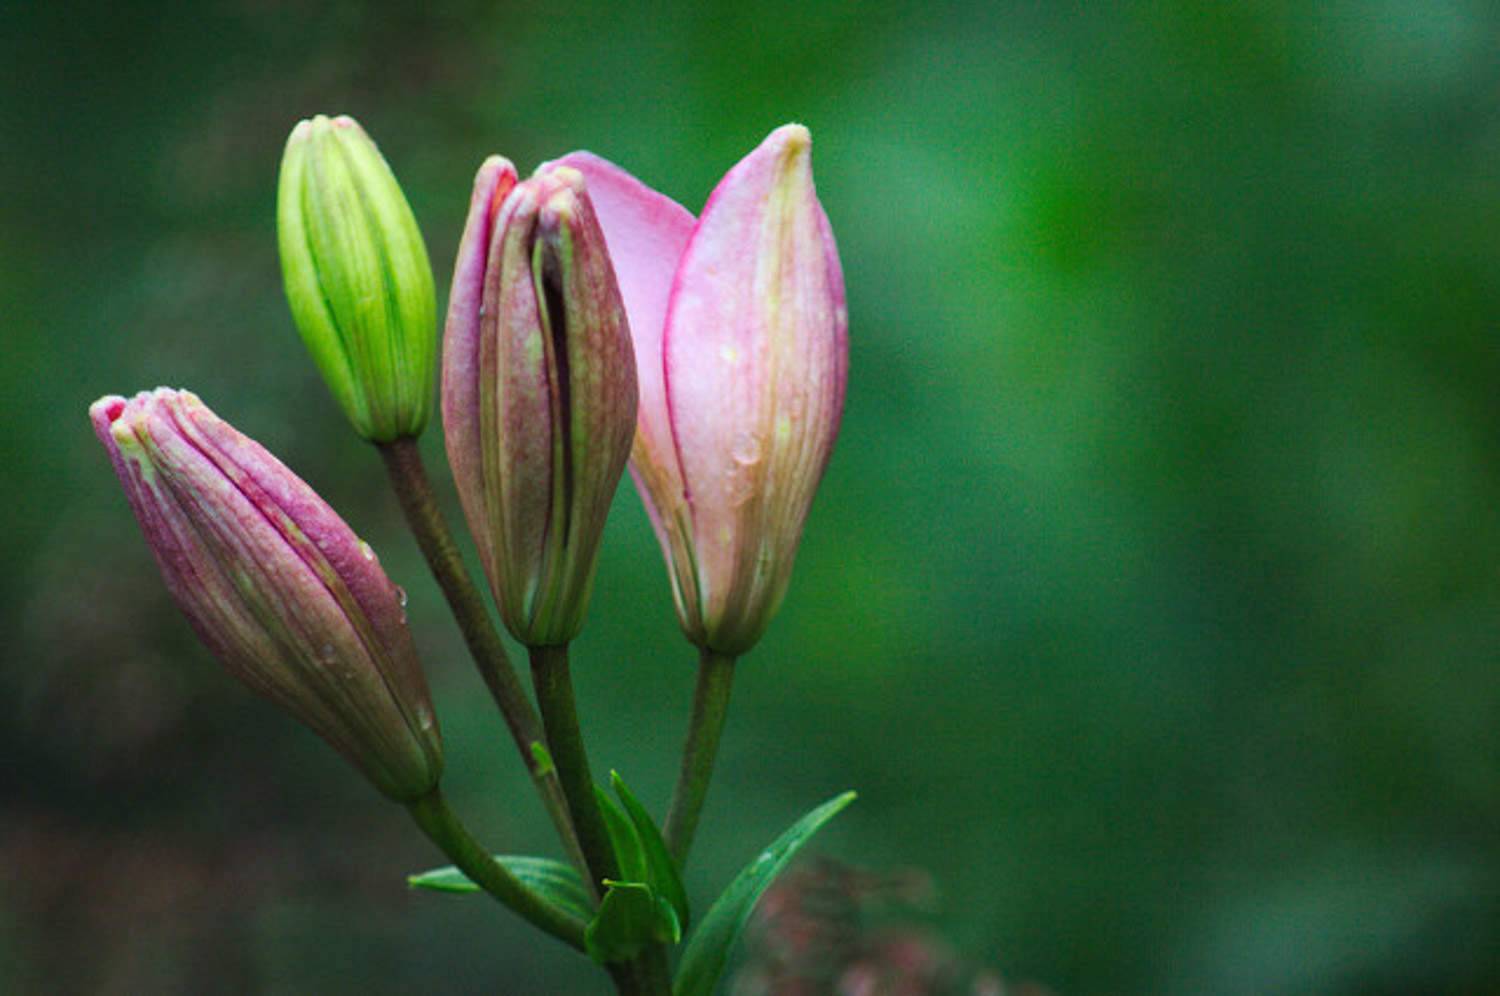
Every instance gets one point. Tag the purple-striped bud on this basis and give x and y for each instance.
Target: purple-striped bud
(276, 584)
(539, 393)
(740, 331)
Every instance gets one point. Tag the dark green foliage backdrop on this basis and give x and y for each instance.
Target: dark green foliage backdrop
(1152, 599)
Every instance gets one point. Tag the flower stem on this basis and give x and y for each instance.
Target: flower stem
(710, 707)
(653, 973)
(647, 974)
(554, 693)
(403, 463)
(439, 822)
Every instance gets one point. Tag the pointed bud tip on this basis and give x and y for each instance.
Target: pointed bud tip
(324, 126)
(793, 138)
(563, 174)
(561, 191)
(560, 209)
(792, 146)
(493, 182)
(495, 166)
(107, 409)
(120, 415)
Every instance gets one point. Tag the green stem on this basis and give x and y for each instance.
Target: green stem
(554, 684)
(554, 693)
(653, 974)
(440, 823)
(710, 707)
(647, 974)
(403, 462)
(627, 980)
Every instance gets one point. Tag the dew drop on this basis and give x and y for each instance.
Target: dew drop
(746, 448)
(401, 595)
(367, 550)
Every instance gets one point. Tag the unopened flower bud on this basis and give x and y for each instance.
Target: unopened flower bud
(740, 332)
(539, 393)
(276, 584)
(357, 277)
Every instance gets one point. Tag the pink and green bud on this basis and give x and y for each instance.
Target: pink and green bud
(740, 332)
(539, 393)
(357, 277)
(276, 584)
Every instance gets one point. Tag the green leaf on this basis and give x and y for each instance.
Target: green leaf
(622, 833)
(556, 882)
(661, 869)
(627, 921)
(648, 905)
(668, 926)
(707, 951)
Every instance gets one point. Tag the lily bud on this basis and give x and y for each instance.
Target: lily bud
(539, 393)
(276, 584)
(357, 277)
(740, 331)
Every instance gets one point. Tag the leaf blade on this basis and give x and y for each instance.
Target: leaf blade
(555, 881)
(629, 850)
(625, 924)
(661, 868)
(707, 951)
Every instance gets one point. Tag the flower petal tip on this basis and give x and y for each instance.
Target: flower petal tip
(107, 409)
(793, 137)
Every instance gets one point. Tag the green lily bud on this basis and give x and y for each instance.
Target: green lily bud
(357, 277)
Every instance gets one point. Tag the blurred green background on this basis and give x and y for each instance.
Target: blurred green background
(1151, 600)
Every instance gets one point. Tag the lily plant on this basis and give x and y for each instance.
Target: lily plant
(592, 323)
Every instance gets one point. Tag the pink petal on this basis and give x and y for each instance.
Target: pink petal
(516, 406)
(755, 360)
(646, 233)
(460, 389)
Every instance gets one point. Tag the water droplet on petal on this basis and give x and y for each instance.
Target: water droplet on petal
(367, 550)
(746, 448)
(742, 480)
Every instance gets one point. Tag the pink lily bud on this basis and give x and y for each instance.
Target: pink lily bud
(539, 393)
(740, 331)
(276, 584)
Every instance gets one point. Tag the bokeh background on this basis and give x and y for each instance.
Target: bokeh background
(1151, 600)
